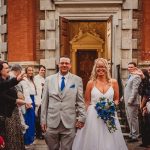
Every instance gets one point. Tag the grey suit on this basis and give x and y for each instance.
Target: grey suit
(131, 96)
(59, 110)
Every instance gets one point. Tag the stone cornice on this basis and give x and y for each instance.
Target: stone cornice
(23, 63)
(68, 2)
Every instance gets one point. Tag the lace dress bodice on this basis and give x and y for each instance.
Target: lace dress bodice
(96, 94)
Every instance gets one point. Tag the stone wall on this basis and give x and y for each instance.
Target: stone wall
(40, 15)
(127, 29)
(3, 30)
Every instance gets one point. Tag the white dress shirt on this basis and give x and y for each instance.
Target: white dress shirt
(39, 84)
(60, 79)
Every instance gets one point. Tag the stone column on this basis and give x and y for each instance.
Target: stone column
(3, 31)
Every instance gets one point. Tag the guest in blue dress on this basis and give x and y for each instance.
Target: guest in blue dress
(29, 93)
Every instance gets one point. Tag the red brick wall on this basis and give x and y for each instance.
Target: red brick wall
(21, 30)
(146, 30)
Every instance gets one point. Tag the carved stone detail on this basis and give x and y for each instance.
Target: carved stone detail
(85, 41)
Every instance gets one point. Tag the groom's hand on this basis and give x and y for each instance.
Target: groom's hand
(79, 124)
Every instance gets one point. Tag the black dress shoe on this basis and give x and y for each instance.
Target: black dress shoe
(40, 137)
(143, 145)
(132, 140)
(128, 138)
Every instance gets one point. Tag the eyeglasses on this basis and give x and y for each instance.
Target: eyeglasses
(101, 67)
(64, 63)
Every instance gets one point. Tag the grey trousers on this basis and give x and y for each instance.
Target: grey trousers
(59, 138)
(132, 117)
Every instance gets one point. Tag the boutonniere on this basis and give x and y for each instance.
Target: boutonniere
(72, 86)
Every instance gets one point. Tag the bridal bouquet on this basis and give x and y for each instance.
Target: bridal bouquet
(106, 111)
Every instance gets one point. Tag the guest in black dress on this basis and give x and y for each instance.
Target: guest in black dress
(144, 91)
(8, 96)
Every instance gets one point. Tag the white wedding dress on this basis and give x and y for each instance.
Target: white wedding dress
(95, 134)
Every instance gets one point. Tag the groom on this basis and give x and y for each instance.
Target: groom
(62, 107)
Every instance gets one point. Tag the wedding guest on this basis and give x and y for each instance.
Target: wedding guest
(8, 96)
(145, 98)
(14, 138)
(2, 143)
(29, 93)
(131, 98)
(39, 81)
(96, 134)
(62, 96)
(7, 103)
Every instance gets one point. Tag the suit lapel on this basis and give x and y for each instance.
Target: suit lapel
(56, 85)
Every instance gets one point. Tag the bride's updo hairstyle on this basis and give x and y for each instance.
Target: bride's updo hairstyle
(94, 74)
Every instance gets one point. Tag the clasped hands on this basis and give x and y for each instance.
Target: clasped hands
(77, 125)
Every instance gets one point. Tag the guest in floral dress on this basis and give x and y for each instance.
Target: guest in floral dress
(14, 138)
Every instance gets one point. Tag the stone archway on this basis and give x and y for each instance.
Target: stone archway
(85, 48)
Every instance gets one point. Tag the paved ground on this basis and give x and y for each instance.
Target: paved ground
(40, 145)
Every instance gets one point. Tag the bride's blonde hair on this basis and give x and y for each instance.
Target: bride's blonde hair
(94, 74)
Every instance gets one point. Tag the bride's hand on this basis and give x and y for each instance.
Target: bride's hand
(116, 102)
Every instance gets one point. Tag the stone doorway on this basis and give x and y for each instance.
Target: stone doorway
(84, 41)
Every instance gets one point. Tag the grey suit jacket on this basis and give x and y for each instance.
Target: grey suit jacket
(131, 90)
(62, 106)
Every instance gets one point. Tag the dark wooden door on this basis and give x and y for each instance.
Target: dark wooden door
(64, 37)
(85, 62)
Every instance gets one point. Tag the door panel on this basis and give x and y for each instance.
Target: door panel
(64, 37)
(85, 62)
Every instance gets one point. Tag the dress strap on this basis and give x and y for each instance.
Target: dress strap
(111, 83)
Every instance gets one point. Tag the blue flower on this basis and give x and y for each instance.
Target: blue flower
(106, 111)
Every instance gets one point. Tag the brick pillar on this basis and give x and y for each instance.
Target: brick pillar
(21, 30)
(146, 30)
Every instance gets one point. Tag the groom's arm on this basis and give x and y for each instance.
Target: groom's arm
(80, 102)
(44, 105)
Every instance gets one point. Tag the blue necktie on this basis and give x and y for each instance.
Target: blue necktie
(62, 83)
(129, 76)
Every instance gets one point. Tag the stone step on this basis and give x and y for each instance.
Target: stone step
(40, 145)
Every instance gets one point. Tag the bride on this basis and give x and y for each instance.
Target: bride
(95, 134)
